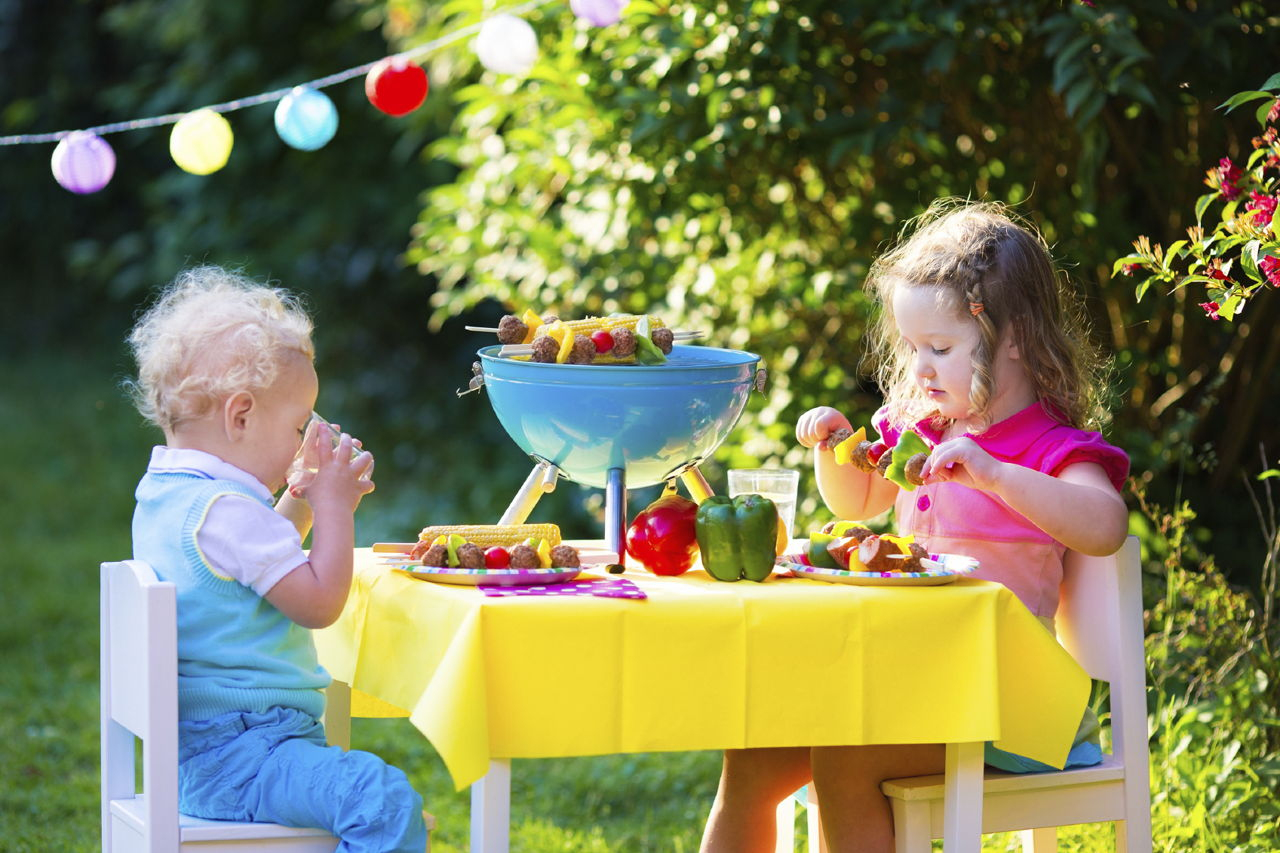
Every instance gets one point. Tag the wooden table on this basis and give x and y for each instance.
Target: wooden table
(702, 664)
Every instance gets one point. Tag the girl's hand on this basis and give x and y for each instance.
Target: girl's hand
(816, 424)
(962, 461)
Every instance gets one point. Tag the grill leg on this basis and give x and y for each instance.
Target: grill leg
(615, 513)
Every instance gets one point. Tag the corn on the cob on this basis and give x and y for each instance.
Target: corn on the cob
(590, 325)
(486, 535)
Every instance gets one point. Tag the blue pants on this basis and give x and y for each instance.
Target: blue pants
(274, 767)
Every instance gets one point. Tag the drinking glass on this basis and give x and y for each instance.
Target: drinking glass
(779, 485)
(309, 466)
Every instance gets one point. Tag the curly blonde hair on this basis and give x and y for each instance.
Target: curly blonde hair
(998, 270)
(211, 333)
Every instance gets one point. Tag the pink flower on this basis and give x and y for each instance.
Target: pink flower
(1228, 174)
(1273, 115)
(1211, 309)
(1270, 266)
(1264, 204)
(1089, 3)
(1218, 274)
(1130, 269)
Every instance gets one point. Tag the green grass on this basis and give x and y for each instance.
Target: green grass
(73, 450)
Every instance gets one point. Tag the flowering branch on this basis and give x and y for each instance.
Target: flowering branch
(1241, 255)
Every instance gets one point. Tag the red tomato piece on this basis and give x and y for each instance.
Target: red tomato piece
(496, 557)
(603, 341)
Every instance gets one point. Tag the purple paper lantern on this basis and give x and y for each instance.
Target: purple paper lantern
(599, 13)
(83, 162)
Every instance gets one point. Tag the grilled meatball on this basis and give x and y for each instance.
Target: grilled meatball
(874, 553)
(584, 350)
(918, 553)
(470, 556)
(886, 459)
(913, 471)
(664, 338)
(525, 557)
(837, 436)
(511, 330)
(624, 342)
(437, 555)
(860, 459)
(545, 349)
(565, 556)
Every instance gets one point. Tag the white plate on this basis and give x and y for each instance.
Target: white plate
(496, 577)
(939, 569)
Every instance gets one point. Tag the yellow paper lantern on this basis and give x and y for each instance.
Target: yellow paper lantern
(201, 142)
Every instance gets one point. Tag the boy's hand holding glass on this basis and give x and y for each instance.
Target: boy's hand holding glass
(323, 437)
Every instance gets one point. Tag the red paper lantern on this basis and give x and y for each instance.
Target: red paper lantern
(396, 86)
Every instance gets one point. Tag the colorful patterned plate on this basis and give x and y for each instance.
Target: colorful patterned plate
(496, 577)
(939, 569)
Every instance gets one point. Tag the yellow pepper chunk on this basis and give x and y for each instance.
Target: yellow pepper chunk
(844, 450)
(533, 321)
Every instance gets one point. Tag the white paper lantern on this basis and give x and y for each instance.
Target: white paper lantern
(507, 45)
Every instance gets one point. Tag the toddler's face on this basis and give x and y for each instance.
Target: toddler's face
(942, 341)
(279, 424)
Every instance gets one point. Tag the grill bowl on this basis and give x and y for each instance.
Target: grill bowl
(652, 421)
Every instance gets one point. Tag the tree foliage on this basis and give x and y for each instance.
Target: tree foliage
(736, 167)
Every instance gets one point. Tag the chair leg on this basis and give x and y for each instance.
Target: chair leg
(817, 841)
(911, 829)
(337, 714)
(786, 832)
(1042, 839)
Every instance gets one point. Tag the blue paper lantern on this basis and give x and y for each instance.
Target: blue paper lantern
(306, 119)
(599, 13)
(83, 162)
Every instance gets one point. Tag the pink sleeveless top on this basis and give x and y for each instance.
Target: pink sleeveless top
(948, 518)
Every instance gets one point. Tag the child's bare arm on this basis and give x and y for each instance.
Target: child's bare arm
(848, 492)
(314, 593)
(1079, 507)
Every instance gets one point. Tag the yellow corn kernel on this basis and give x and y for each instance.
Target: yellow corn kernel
(486, 535)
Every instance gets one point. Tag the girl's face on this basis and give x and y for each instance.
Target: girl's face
(279, 419)
(942, 342)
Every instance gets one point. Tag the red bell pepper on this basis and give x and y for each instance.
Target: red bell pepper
(663, 536)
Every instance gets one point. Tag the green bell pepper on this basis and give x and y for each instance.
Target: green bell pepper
(737, 537)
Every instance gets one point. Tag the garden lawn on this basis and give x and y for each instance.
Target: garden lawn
(74, 448)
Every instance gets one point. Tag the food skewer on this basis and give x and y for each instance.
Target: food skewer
(514, 350)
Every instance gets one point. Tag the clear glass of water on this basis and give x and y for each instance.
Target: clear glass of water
(301, 464)
(779, 485)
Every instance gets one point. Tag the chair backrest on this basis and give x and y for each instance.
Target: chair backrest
(139, 696)
(1100, 623)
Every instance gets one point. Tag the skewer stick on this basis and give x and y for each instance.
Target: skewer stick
(492, 329)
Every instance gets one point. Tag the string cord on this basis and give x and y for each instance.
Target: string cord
(269, 97)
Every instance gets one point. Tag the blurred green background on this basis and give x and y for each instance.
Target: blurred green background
(731, 167)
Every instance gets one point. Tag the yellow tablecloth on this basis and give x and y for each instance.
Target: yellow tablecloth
(702, 664)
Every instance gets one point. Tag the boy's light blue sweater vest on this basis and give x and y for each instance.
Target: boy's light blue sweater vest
(236, 651)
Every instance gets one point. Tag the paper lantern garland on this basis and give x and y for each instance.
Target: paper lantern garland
(506, 45)
(306, 119)
(396, 86)
(201, 142)
(599, 13)
(83, 162)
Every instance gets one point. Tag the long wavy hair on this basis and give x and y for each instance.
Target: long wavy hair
(980, 254)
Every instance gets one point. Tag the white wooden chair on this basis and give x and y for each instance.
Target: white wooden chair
(1099, 622)
(139, 680)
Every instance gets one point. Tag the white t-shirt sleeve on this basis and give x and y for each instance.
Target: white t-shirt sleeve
(249, 542)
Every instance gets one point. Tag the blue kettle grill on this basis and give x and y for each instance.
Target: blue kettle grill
(618, 426)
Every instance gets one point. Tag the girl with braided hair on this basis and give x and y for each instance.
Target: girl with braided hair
(980, 354)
